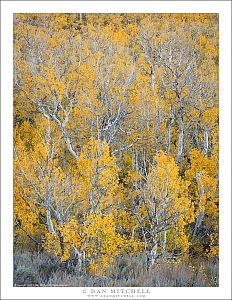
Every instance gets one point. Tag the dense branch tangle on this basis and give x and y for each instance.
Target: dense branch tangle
(116, 135)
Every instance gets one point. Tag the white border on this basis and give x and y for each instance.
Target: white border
(8, 8)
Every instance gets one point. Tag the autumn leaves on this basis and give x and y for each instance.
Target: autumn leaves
(116, 136)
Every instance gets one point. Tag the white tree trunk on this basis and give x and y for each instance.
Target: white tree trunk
(206, 142)
(180, 147)
(200, 217)
(168, 138)
(164, 242)
(153, 254)
(152, 78)
(66, 137)
(49, 221)
(168, 129)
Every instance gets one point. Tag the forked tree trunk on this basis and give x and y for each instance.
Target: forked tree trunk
(57, 217)
(66, 137)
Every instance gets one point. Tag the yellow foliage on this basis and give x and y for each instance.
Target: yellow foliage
(167, 192)
(98, 101)
(97, 176)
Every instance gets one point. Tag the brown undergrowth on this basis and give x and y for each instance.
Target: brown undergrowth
(32, 269)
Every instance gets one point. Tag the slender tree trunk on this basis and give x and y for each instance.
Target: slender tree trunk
(157, 131)
(18, 222)
(206, 142)
(153, 253)
(91, 201)
(66, 137)
(57, 217)
(48, 207)
(164, 242)
(61, 242)
(49, 221)
(133, 160)
(180, 146)
(168, 138)
(168, 129)
(200, 217)
(152, 78)
(136, 161)
(157, 126)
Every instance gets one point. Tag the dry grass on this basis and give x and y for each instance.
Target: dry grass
(32, 269)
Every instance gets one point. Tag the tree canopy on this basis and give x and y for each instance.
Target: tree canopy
(116, 136)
